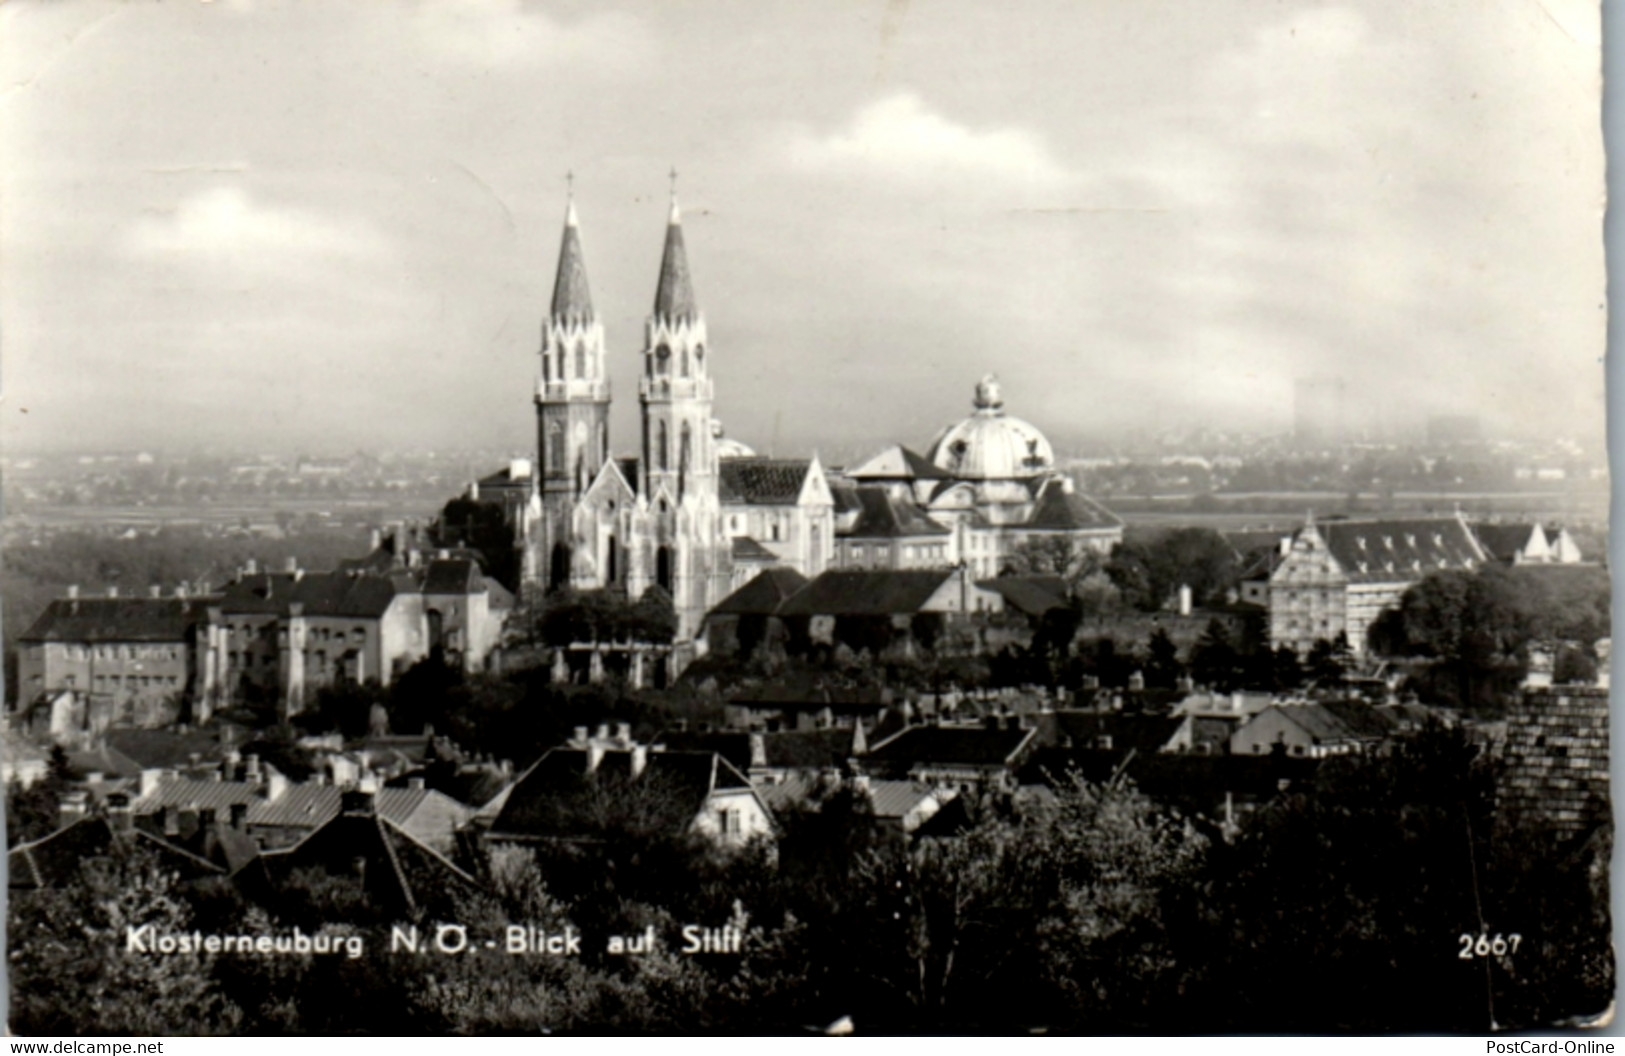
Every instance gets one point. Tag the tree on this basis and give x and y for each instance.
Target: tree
(1214, 660)
(1574, 666)
(1162, 667)
(1149, 570)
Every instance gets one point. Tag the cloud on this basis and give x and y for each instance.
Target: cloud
(223, 226)
(900, 138)
(496, 33)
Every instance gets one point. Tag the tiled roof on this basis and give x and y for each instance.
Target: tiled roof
(299, 805)
(1390, 551)
(54, 860)
(1028, 594)
(951, 746)
(401, 873)
(866, 592)
(452, 577)
(321, 593)
(763, 595)
(1060, 510)
(881, 517)
(1335, 721)
(762, 481)
(1084, 729)
(165, 749)
(747, 549)
(807, 749)
(895, 799)
(116, 620)
(543, 802)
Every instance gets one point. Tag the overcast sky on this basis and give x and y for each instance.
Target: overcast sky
(327, 226)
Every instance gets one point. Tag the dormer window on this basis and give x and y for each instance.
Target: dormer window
(1388, 541)
(1361, 541)
(1438, 540)
(1410, 540)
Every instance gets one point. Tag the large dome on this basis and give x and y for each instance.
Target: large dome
(992, 445)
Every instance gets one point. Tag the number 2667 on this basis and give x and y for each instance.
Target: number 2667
(1487, 945)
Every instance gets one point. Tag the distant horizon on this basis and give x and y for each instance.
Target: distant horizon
(224, 231)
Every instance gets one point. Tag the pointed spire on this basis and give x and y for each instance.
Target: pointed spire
(571, 298)
(674, 297)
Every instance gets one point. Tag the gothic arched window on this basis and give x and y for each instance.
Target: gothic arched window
(683, 449)
(555, 447)
(685, 362)
(581, 359)
(547, 366)
(661, 461)
(662, 360)
(603, 442)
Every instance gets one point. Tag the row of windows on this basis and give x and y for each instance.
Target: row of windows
(117, 652)
(660, 362)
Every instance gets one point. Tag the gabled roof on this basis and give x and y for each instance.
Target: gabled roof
(1084, 729)
(362, 595)
(1387, 551)
(1058, 509)
(866, 592)
(762, 481)
(898, 462)
(545, 802)
(1504, 542)
(456, 576)
(1032, 595)
(116, 620)
(780, 749)
(400, 873)
(54, 860)
(165, 749)
(763, 595)
(299, 806)
(882, 517)
(1334, 721)
(952, 746)
(627, 466)
(895, 799)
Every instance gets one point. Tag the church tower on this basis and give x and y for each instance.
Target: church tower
(572, 404)
(678, 466)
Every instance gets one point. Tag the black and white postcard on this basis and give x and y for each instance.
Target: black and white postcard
(782, 517)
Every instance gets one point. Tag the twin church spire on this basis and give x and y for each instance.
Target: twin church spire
(674, 389)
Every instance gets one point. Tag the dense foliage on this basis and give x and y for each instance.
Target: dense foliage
(1091, 909)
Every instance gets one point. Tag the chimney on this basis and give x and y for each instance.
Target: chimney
(1184, 599)
(172, 821)
(758, 750)
(442, 554)
(580, 738)
(239, 816)
(181, 588)
(623, 733)
(603, 731)
(640, 758)
(251, 566)
(474, 491)
(73, 590)
(375, 541)
(112, 591)
(415, 784)
(359, 801)
(860, 784)
(595, 755)
(1285, 546)
(291, 565)
(276, 783)
(251, 767)
(206, 831)
(149, 782)
(505, 767)
(118, 812)
(72, 807)
(155, 591)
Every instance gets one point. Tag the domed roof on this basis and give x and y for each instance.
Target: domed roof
(992, 445)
